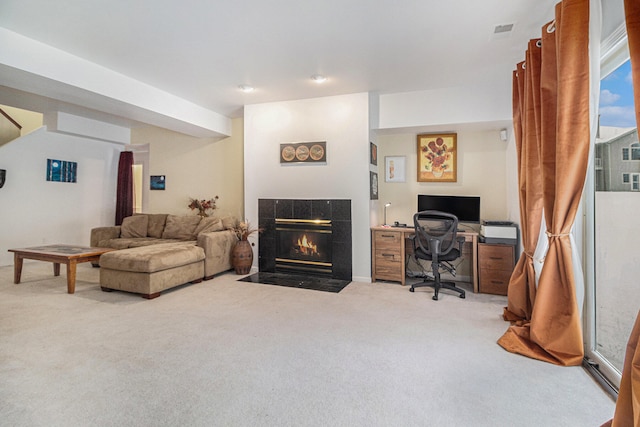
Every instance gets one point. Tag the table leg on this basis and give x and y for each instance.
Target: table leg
(56, 268)
(71, 276)
(17, 268)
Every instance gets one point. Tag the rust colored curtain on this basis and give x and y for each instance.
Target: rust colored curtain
(628, 404)
(554, 333)
(124, 191)
(526, 124)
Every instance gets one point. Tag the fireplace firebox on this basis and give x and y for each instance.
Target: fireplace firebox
(304, 245)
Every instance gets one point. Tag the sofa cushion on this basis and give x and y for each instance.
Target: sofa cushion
(207, 225)
(180, 227)
(134, 226)
(136, 243)
(118, 243)
(228, 223)
(124, 243)
(150, 259)
(156, 225)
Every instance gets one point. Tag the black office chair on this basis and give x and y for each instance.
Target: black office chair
(436, 235)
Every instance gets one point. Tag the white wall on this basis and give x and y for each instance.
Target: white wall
(35, 211)
(489, 103)
(482, 171)
(341, 121)
(194, 167)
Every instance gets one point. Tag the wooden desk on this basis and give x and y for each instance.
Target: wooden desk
(389, 254)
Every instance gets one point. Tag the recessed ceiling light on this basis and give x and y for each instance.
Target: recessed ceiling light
(246, 88)
(318, 78)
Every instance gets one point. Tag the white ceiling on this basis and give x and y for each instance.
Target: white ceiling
(201, 50)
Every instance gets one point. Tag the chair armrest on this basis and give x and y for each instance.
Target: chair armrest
(99, 234)
(460, 240)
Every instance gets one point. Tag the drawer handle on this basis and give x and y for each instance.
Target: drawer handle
(497, 282)
(391, 255)
(388, 235)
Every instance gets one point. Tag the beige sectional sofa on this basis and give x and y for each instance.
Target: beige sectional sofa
(160, 251)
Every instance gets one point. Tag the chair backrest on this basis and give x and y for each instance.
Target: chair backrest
(435, 226)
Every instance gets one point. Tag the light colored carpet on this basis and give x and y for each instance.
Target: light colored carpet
(229, 353)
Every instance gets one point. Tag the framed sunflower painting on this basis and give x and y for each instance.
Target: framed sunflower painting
(437, 157)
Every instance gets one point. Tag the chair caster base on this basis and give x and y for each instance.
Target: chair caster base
(435, 298)
(411, 289)
(462, 296)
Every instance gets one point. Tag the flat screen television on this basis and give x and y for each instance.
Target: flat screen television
(466, 208)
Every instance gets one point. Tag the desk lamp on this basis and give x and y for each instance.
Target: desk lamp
(386, 205)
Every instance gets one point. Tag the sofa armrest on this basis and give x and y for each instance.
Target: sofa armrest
(218, 247)
(99, 234)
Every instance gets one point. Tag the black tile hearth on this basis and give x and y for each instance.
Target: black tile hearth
(324, 284)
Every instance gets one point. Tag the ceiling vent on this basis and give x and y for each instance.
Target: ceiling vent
(502, 31)
(506, 28)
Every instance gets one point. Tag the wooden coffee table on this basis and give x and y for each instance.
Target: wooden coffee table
(57, 254)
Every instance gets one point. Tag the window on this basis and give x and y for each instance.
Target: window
(610, 308)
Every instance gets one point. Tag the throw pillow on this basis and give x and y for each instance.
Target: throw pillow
(156, 225)
(208, 224)
(180, 227)
(134, 226)
(229, 222)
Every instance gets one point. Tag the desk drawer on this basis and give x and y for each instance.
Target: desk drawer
(388, 257)
(494, 281)
(495, 257)
(388, 239)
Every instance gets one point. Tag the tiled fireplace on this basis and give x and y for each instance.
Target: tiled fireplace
(305, 236)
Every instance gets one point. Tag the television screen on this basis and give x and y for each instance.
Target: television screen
(466, 208)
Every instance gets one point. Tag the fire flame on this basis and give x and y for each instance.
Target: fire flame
(307, 247)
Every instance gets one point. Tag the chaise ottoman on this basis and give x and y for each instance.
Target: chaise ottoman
(149, 270)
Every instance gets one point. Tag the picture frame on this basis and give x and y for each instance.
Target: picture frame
(62, 171)
(373, 185)
(395, 168)
(437, 157)
(373, 154)
(158, 182)
(303, 152)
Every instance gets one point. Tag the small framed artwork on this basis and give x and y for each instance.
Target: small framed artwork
(61, 170)
(394, 168)
(373, 154)
(158, 182)
(373, 185)
(437, 157)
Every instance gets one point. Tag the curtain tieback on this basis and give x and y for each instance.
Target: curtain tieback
(551, 235)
